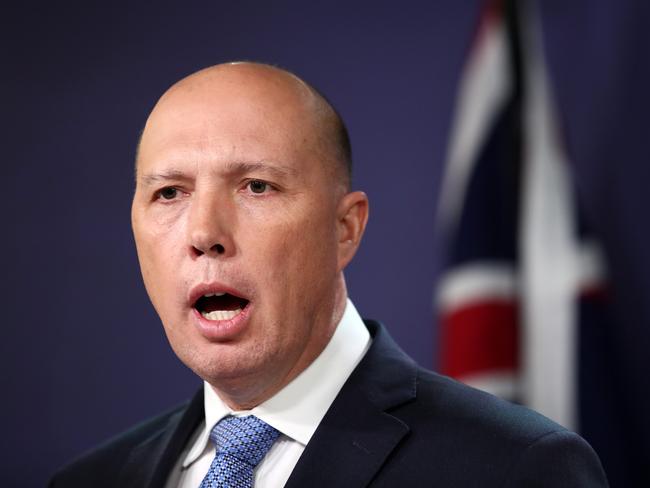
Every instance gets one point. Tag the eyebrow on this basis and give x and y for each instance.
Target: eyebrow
(271, 167)
(153, 178)
(231, 168)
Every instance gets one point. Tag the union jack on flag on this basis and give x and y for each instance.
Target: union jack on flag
(519, 256)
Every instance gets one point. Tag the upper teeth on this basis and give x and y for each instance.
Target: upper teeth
(214, 295)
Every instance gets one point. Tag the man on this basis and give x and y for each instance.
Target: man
(244, 221)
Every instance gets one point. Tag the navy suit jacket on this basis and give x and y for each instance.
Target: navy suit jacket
(392, 424)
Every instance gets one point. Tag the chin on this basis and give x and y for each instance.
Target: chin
(222, 363)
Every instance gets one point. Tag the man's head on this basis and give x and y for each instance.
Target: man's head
(242, 193)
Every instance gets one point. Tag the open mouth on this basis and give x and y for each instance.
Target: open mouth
(220, 306)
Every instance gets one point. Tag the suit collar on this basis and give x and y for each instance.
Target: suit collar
(358, 434)
(386, 374)
(150, 462)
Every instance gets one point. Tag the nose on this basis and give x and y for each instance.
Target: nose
(211, 226)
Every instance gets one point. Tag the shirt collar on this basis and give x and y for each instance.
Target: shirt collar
(299, 407)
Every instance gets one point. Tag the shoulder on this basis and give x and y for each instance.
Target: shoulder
(459, 435)
(515, 444)
(474, 411)
(102, 465)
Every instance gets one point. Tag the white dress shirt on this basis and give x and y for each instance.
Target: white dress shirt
(295, 411)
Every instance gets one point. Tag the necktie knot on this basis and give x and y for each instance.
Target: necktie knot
(245, 438)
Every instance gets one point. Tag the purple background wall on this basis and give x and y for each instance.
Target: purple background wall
(83, 354)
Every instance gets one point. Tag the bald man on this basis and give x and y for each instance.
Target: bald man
(244, 221)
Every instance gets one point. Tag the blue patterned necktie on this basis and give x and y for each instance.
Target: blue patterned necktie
(241, 443)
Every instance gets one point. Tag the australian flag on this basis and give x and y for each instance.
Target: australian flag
(525, 302)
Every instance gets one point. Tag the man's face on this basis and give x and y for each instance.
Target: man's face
(235, 222)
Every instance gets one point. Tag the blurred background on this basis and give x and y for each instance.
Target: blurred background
(504, 151)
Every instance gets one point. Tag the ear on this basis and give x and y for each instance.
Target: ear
(352, 216)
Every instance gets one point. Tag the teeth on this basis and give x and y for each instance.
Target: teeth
(221, 314)
(214, 295)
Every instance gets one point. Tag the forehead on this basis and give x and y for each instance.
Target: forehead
(233, 118)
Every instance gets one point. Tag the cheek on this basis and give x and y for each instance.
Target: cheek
(158, 244)
(159, 233)
(300, 258)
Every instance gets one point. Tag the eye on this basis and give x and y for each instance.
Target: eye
(257, 186)
(168, 193)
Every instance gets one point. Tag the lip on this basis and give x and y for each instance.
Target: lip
(218, 330)
(206, 288)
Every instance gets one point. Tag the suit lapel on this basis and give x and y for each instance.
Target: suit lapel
(356, 435)
(150, 462)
